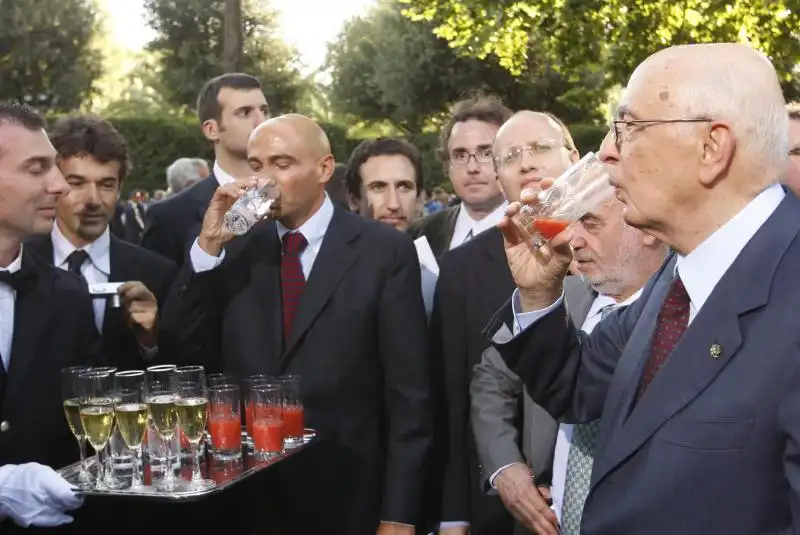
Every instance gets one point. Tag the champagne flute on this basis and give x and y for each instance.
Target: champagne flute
(113, 440)
(160, 396)
(192, 406)
(132, 414)
(97, 413)
(72, 410)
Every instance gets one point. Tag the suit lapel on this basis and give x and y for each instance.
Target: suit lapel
(265, 276)
(202, 195)
(334, 260)
(442, 235)
(31, 314)
(690, 368)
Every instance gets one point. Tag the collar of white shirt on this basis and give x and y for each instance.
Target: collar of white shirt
(221, 176)
(16, 265)
(704, 267)
(315, 228)
(99, 251)
(465, 223)
(602, 301)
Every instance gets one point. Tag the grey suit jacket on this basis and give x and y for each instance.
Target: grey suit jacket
(495, 401)
(713, 445)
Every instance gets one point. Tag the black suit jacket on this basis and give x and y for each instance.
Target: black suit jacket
(438, 227)
(172, 225)
(53, 329)
(474, 281)
(128, 263)
(358, 341)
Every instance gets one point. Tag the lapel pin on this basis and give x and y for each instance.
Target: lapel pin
(715, 351)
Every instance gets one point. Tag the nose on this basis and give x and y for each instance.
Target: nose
(472, 165)
(56, 185)
(608, 153)
(258, 117)
(527, 161)
(577, 242)
(393, 199)
(92, 195)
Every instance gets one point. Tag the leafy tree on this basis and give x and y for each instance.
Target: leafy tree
(386, 67)
(47, 57)
(189, 48)
(618, 34)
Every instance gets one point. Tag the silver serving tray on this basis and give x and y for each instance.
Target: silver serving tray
(224, 473)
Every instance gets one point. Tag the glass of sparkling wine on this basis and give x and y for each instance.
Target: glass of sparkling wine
(192, 407)
(161, 393)
(97, 413)
(132, 414)
(257, 203)
(72, 410)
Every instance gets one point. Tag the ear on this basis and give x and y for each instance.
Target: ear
(211, 130)
(328, 164)
(719, 147)
(354, 202)
(574, 155)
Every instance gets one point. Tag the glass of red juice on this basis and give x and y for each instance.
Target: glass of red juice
(225, 421)
(293, 416)
(249, 382)
(266, 402)
(581, 188)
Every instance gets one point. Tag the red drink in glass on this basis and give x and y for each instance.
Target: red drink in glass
(225, 421)
(293, 421)
(226, 432)
(550, 228)
(268, 436)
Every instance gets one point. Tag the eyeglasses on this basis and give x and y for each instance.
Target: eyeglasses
(537, 148)
(620, 134)
(462, 157)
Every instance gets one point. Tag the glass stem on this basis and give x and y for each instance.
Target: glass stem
(99, 477)
(137, 477)
(82, 450)
(169, 474)
(196, 475)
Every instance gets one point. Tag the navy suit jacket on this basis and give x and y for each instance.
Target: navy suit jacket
(713, 445)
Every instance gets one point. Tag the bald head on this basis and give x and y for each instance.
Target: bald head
(301, 129)
(527, 120)
(726, 82)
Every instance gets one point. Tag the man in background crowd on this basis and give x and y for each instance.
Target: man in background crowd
(465, 149)
(793, 174)
(93, 158)
(229, 107)
(185, 172)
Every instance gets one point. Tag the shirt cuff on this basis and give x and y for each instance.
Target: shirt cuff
(523, 320)
(493, 476)
(397, 523)
(454, 524)
(201, 260)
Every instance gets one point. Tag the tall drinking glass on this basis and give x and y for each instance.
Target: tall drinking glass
(266, 401)
(161, 393)
(225, 421)
(293, 415)
(249, 382)
(192, 406)
(257, 203)
(115, 443)
(97, 413)
(71, 395)
(132, 414)
(582, 187)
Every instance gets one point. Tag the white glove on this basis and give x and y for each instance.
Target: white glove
(35, 495)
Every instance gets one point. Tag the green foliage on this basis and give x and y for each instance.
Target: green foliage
(47, 56)
(386, 67)
(617, 34)
(189, 47)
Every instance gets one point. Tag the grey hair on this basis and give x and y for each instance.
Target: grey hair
(184, 171)
(748, 96)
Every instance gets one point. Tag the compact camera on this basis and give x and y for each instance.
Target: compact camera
(107, 290)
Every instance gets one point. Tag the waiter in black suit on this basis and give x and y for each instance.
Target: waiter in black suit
(465, 149)
(229, 107)
(45, 325)
(335, 298)
(93, 158)
(529, 147)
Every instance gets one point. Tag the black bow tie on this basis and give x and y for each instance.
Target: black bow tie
(21, 280)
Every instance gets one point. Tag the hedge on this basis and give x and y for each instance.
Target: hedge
(156, 142)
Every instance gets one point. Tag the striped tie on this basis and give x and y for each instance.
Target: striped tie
(292, 279)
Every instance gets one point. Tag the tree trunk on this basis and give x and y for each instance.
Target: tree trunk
(232, 55)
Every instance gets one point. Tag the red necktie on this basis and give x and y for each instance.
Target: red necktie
(672, 322)
(292, 279)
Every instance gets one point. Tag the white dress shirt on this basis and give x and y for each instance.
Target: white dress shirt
(465, 224)
(221, 176)
(95, 270)
(314, 231)
(7, 298)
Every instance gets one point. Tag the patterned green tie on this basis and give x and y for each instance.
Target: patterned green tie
(579, 467)
(579, 474)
